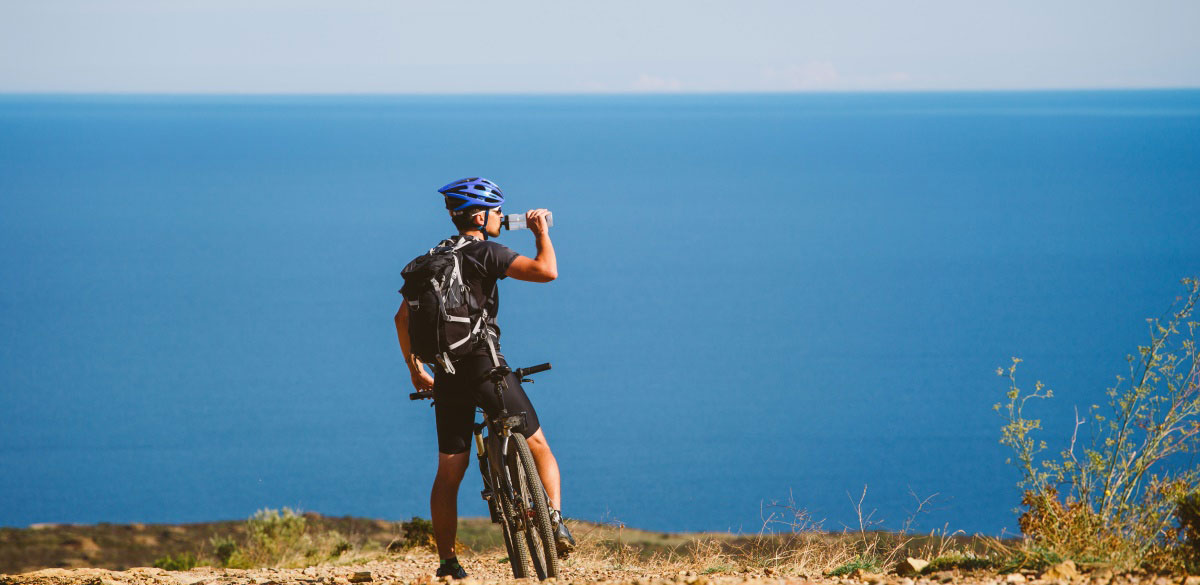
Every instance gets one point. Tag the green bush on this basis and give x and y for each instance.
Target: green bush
(182, 562)
(273, 537)
(272, 533)
(1113, 495)
(418, 533)
(224, 548)
(340, 546)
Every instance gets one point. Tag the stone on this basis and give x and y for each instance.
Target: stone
(1191, 580)
(1065, 571)
(911, 566)
(868, 577)
(944, 576)
(1014, 578)
(361, 577)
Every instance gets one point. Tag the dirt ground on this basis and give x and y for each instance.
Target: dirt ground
(418, 568)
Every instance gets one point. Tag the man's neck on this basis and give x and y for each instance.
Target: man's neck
(477, 234)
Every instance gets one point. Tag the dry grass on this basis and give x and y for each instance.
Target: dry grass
(789, 542)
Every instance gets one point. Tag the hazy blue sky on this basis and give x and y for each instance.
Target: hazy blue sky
(467, 46)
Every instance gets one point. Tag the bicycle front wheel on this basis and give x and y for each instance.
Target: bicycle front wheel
(514, 538)
(531, 501)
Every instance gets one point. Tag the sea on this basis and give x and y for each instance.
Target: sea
(773, 312)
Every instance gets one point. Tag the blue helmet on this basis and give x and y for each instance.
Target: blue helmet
(472, 192)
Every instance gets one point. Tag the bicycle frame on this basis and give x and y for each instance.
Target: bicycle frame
(496, 442)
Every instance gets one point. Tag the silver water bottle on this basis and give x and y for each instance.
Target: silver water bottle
(516, 221)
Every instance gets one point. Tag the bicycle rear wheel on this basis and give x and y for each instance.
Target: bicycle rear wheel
(531, 496)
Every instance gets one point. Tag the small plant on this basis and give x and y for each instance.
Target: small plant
(1188, 513)
(182, 562)
(866, 563)
(340, 547)
(962, 562)
(418, 533)
(274, 537)
(1114, 497)
(224, 548)
(272, 533)
(1033, 558)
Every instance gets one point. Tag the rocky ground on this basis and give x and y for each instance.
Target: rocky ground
(608, 555)
(417, 569)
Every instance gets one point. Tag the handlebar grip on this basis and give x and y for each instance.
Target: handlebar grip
(420, 395)
(534, 369)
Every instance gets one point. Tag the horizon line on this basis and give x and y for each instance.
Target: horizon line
(168, 93)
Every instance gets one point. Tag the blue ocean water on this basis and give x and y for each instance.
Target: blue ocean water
(761, 297)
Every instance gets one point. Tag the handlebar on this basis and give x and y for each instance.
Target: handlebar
(520, 372)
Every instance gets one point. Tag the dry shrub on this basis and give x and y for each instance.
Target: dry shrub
(1119, 495)
(281, 538)
(1189, 529)
(1069, 528)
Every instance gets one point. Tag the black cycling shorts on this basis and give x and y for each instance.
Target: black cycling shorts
(455, 397)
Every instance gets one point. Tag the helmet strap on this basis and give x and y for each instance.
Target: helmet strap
(483, 228)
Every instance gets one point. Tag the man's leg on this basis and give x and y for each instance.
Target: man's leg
(443, 502)
(547, 467)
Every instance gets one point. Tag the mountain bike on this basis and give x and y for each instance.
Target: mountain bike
(511, 485)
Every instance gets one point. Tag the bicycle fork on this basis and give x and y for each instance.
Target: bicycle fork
(492, 452)
(481, 456)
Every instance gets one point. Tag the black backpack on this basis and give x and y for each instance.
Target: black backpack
(446, 319)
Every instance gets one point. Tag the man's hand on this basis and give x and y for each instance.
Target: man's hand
(536, 220)
(421, 380)
(543, 267)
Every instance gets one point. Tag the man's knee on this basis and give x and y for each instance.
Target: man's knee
(452, 467)
(537, 441)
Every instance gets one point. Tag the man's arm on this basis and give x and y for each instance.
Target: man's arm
(421, 380)
(543, 267)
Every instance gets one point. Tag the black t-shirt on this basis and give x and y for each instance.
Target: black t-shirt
(486, 263)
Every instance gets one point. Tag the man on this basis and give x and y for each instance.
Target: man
(474, 206)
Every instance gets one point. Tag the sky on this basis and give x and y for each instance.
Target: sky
(615, 46)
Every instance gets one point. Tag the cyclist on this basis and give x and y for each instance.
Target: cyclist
(474, 206)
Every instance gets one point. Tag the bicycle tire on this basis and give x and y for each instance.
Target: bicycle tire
(539, 531)
(514, 539)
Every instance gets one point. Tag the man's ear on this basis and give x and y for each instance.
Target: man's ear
(480, 219)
